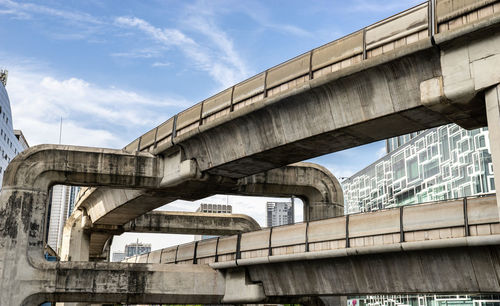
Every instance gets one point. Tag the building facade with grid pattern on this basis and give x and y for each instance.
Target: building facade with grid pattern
(437, 164)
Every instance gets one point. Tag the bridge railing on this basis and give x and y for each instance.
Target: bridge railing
(458, 218)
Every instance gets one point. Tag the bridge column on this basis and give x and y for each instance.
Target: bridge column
(76, 241)
(493, 116)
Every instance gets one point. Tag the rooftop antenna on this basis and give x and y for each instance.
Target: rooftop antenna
(60, 131)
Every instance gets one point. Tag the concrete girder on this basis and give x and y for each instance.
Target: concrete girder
(27, 279)
(314, 184)
(465, 270)
(195, 223)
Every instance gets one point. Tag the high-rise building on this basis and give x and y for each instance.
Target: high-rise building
(437, 164)
(10, 145)
(61, 204)
(137, 248)
(213, 209)
(280, 213)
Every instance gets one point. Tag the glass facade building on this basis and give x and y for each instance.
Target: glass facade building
(436, 164)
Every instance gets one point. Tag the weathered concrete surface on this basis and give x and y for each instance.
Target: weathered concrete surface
(27, 279)
(315, 185)
(493, 113)
(438, 271)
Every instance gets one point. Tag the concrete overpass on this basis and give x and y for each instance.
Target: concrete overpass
(442, 247)
(424, 67)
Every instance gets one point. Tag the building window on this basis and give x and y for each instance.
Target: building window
(398, 166)
(412, 166)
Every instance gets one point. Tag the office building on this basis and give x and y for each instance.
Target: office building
(436, 164)
(213, 209)
(61, 204)
(137, 248)
(10, 145)
(280, 213)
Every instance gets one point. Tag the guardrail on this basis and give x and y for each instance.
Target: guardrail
(458, 218)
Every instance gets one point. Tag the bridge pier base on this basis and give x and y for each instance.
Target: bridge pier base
(492, 98)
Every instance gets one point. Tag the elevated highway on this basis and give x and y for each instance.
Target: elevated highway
(441, 247)
(425, 67)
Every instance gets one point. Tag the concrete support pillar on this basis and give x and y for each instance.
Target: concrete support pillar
(76, 240)
(493, 115)
(75, 245)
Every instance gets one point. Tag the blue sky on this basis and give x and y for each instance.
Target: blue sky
(115, 69)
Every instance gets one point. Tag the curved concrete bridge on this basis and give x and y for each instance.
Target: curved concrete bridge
(108, 210)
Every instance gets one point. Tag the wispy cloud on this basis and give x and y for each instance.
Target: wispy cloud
(161, 64)
(141, 53)
(92, 115)
(218, 58)
(26, 10)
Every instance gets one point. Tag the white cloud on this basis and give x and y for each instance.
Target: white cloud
(161, 64)
(93, 115)
(26, 9)
(218, 58)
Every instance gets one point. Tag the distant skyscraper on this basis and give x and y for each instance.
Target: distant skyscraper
(213, 209)
(280, 213)
(61, 205)
(137, 248)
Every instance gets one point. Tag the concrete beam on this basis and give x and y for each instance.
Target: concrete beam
(195, 223)
(27, 279)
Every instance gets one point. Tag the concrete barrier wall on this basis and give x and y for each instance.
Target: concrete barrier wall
(458, 218)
